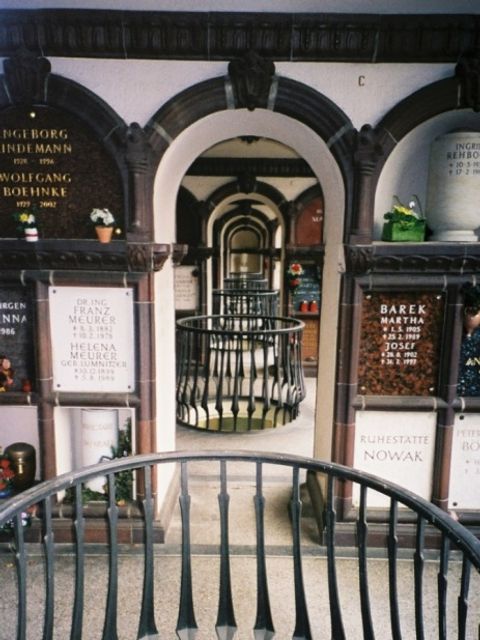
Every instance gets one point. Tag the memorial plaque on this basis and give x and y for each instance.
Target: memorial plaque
(309, 288)
(464, 490)
(309, 224)
(397, 446)
(92, 332)
(310, 339)
(186, 288)
(400, 343)
(51, 164)
(16, 334)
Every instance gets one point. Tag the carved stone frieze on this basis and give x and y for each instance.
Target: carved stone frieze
(25, 76)
(426, 259)
(223, 36)
(251, 77)
(82, 256)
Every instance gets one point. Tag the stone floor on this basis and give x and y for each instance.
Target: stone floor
(296, 438)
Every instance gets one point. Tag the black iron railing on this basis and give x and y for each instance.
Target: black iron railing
(239, 373)
(245, 302)
(325, 612)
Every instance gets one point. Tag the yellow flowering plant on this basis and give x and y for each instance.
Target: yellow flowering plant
(406, 216)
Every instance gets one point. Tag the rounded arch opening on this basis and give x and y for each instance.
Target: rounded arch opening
(181, 153)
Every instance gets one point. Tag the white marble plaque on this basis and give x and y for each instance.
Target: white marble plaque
(186, 288)
(99, 432)
(464, 490)
(398, 447)
(92, 330)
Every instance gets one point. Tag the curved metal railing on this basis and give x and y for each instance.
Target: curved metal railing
(332, 601)
(239, 373)
(245, 302)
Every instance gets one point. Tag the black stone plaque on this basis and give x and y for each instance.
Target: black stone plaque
(309, 287)
(16, 333)
(400, 343)
(51, 163)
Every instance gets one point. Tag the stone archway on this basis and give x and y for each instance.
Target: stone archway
(299, 118)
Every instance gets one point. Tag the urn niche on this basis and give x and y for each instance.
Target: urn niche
(453, 206)
(99, 429)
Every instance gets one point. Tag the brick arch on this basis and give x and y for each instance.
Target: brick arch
(291, 98)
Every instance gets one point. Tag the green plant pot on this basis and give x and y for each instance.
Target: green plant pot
(401, 232)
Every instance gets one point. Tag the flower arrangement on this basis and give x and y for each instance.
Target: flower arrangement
(102, 218)
(407, 216)
(6, 476)
(294, 273)
(25, 220)
(404, 223)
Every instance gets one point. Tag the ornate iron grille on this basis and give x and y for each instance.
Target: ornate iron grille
(238, 372)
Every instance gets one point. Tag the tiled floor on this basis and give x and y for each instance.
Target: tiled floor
(296, 438)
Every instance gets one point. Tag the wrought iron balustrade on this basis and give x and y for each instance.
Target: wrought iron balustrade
(245, 302)
(239, 372)
(314, 595)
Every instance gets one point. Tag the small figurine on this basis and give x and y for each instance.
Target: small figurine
(6, 373)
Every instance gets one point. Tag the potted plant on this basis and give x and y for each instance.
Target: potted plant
(404, 224)
(26, 224)
(104, 222)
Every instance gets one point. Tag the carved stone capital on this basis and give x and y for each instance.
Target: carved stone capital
(25, 77)
(251, 78)
(368, 149)
(468, 73)
(138, 149)
(358, 260)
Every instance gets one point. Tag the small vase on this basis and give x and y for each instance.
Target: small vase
(31, 234)
(104, 234)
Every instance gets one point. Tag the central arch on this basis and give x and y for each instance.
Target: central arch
(321, 134)
(180, 154)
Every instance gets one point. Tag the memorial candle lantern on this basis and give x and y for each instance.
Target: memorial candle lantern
(23, 459)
